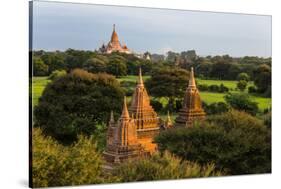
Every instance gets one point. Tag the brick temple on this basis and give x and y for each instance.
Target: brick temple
(132, 135)
(114, 45)
(192, 106)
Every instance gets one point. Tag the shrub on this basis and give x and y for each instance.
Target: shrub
(57, 165)
(241, 85)
(73, 104)
(165, 166)
(252, 89)
(203, 87)
(235, 142)
(214, 88)
(243, 76)
(216, 108)
(242, 102)
(56, 74)
(157, 106)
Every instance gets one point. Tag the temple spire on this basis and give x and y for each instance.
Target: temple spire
(191, 83)
(113, 27)
(125, 113)
(111, 117)
(140, 80)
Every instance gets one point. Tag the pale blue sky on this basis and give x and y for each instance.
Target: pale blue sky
(58, 26)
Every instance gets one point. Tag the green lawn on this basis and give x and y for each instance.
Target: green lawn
(132, 78)
(39, 83)
(229, 84)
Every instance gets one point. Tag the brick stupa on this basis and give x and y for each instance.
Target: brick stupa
(114, 45)
(122, 143)
(192, 106)
(146, 119)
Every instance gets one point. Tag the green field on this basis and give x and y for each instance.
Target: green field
(39, 83)
(229, 84)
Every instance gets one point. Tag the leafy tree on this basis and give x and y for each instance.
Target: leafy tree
(56, 74)
(56, 165)
(75, 103)
(216, 108)
(242, 102)
(54, 60)
(117, 66)
(163, 167)
(235, 142)
(169, 83)
(76, 58)
(243, 76)
(241, 85)
(95, 65)
(39, 67)
(262, 78)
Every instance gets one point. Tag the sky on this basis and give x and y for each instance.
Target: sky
(59, 26)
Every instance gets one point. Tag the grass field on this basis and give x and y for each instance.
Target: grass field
(229, 84)
(39, 83)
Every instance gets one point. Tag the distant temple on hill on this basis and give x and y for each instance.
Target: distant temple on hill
(114, 45)
(132, 135)
(192, 106)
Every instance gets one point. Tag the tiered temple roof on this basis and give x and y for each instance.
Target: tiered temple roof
(114, 45)
(146, 119)
(192, 106)
(122, 142)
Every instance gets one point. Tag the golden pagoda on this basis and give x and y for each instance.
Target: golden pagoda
(122, 142)
(146, 119)
(192, 106)
(168, 122)
(114, 45)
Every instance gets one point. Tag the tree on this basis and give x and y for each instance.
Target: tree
(54, 60)
(242, 102)
(117, 66)
(236, 142)
(243, 76)
(163, 167)
(169, 83)
(241, 85)
(56, 165)
(262, 78)
(75, 103)
(95, 65)
(56, 74)
(39, 67)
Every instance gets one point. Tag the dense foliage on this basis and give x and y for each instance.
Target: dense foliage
(242, 102)
(165, 166)
(56, 165)
(169, 83)
(75, 103)
(236, 142)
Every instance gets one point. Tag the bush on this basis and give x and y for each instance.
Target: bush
(56, 165)
(162, 167)
(236, 142)
(56, 74)
(203, 87)
(242, 102)
(216, 108)
(241, 85)
(157, 106)
(243, 76)
(252, 89)
(214, 88)
(75, 103)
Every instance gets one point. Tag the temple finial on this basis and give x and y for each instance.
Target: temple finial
(191, 83)
(125, 113)
(113, 27)
(140, 81)
(111, 117)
